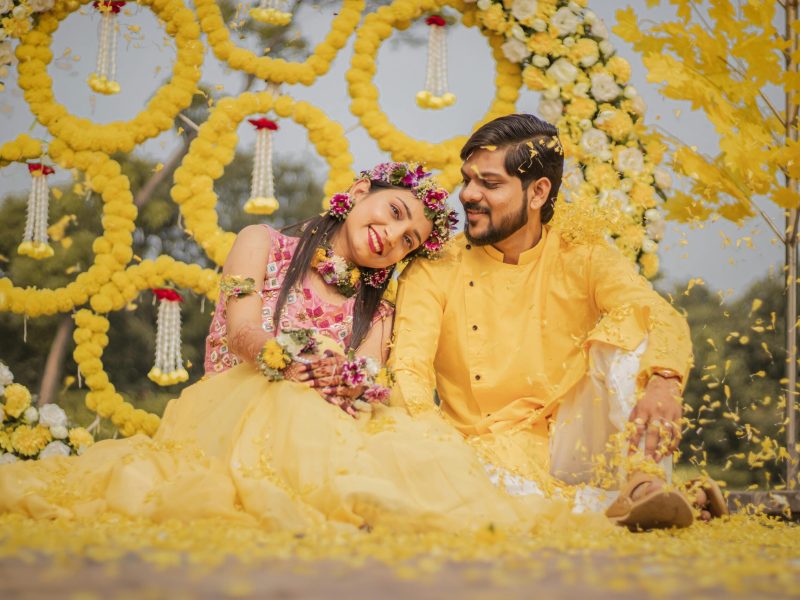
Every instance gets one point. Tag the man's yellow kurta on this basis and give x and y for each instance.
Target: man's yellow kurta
(503, 343)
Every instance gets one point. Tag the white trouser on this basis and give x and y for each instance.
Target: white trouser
(598, 407)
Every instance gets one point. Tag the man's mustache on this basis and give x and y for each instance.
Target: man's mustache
(475, 207)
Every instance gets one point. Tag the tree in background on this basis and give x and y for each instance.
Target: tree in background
(734, 63)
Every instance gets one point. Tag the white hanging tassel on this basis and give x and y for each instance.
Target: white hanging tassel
(34, 241)
(168, 368)
(272, 12)
(435, 94)
(103, 80)
(262, 189)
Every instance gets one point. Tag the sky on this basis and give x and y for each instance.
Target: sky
(727, 257)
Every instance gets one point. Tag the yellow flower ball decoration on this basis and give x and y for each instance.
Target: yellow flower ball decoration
(34, 55)
(215, 146)
(275, 69)
(90, 334)
(377, 27)
(17, 399)
(566, 55)
(113, 250)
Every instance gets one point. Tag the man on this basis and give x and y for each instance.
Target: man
(526, 336)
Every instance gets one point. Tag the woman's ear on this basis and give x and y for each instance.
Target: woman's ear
(360, 189)
(538, 192)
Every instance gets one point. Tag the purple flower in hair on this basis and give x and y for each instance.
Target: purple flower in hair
(341, 204)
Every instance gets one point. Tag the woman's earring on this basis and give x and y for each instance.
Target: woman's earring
(376, 277)
(341, 204)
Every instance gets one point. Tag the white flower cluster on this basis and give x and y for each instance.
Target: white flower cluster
(566, 55)
(16, 19)
(48, 424)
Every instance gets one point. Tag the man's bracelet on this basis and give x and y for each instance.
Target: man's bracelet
(667, 374)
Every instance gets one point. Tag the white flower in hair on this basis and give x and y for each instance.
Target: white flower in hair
(51, 415)
(40, 5)
(562, 72)
(55, 449)
(5, 6)
(649, 246)
(604, 88)
(599, 29)
(515, 51)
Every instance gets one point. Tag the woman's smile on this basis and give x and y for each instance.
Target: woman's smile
(375, 241)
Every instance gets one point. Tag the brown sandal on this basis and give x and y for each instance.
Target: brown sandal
(717, 506)
(661, 509)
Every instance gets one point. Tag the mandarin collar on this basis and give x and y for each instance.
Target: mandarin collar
(529, 256)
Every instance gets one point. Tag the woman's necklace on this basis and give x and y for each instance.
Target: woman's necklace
(336, 271)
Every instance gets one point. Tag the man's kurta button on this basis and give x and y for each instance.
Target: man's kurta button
(469, 246)
(477, 377)
(474, 328)
(471, 284)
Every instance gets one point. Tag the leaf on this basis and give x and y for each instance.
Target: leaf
(786, 198)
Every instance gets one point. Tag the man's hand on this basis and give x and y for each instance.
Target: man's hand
(657, 417)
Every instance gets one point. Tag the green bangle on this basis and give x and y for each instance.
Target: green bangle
(235, 286)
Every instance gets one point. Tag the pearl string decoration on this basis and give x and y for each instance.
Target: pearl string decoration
(34, 240)
(103, 80)
(168, 368)
(435, 94)
(262, 199)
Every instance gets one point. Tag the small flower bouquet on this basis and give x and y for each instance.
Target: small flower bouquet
(28, 433)
(301, 345)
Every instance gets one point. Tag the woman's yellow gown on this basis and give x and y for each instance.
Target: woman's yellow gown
(276, 455)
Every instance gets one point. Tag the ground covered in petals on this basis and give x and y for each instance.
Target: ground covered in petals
(744, 557)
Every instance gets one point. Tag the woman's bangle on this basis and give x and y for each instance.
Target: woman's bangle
(236, 286)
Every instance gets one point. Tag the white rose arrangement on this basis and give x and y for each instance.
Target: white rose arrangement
(28, 432)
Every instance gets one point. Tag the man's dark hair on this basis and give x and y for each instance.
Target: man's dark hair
(534, 151)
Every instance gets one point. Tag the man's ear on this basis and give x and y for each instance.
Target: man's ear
(360, 189)
(538, 192)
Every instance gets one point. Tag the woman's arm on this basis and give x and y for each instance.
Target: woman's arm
(248, 258)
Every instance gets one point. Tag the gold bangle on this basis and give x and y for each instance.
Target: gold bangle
(236, 286)
(667, 374)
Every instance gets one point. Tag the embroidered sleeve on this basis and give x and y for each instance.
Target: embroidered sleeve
(235, 286)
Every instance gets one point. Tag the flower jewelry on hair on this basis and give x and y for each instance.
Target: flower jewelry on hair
(341, 205)
(423, 185)
(336, 271)
(376, 277)
(286, 347)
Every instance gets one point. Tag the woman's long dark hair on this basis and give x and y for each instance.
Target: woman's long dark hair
(312, 234)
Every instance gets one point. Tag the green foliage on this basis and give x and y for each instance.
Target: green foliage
(734, 391)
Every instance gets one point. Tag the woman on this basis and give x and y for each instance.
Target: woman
(263, 440)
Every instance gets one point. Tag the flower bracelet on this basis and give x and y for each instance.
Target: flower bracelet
(236, 286)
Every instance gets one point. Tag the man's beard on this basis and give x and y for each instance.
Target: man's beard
(497, 233)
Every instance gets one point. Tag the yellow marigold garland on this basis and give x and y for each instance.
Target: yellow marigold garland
(120, 136)
(275, 69)
(112, 250)
(90, 334)
(215, 147)
(378, 27)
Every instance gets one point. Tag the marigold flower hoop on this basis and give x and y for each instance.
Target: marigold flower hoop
(215, 146)
(364, 93)
(34, 55)
(90, 335)
(275, 69)
(112, 249)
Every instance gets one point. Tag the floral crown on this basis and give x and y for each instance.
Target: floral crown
(424, 186)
